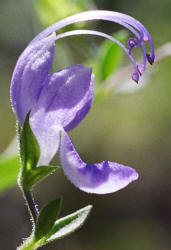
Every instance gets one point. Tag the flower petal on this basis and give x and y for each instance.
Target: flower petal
(30, 74)
(100, 178)
(48, 138)
(65, 98)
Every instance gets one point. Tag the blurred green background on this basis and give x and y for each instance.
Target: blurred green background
(133, 129)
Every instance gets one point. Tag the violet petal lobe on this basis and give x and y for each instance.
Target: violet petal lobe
(48, 138)
(30, 74)
(65, 99)
(100, 178)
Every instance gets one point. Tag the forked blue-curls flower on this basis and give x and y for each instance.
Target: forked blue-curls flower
(59, 101)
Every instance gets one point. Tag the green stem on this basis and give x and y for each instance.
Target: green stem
(29, 244)
(31, 205)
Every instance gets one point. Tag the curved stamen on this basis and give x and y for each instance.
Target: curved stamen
(116, 17)
(142, 66)
(91, 15)
(135, 75)
(132, 43)
(147, 36)
(150, 57)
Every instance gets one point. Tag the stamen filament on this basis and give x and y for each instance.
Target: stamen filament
(122, 19)
(101, 34)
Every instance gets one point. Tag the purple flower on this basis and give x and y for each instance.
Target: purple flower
(59, 101)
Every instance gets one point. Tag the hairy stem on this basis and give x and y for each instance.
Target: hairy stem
(27, 245)
(31, 205)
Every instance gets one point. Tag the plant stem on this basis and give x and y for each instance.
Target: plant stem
(27, 245)
(31, 205)
(31, 244)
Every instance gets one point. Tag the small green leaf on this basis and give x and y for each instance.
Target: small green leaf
(9, 168)
(36, 175)
(29, 147)
(47, 230)
(46, 219)
(68, 224)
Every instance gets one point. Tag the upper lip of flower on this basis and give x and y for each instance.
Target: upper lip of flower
(59, 101)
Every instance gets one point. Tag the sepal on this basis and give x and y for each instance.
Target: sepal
(36, 175)
(29, 146)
